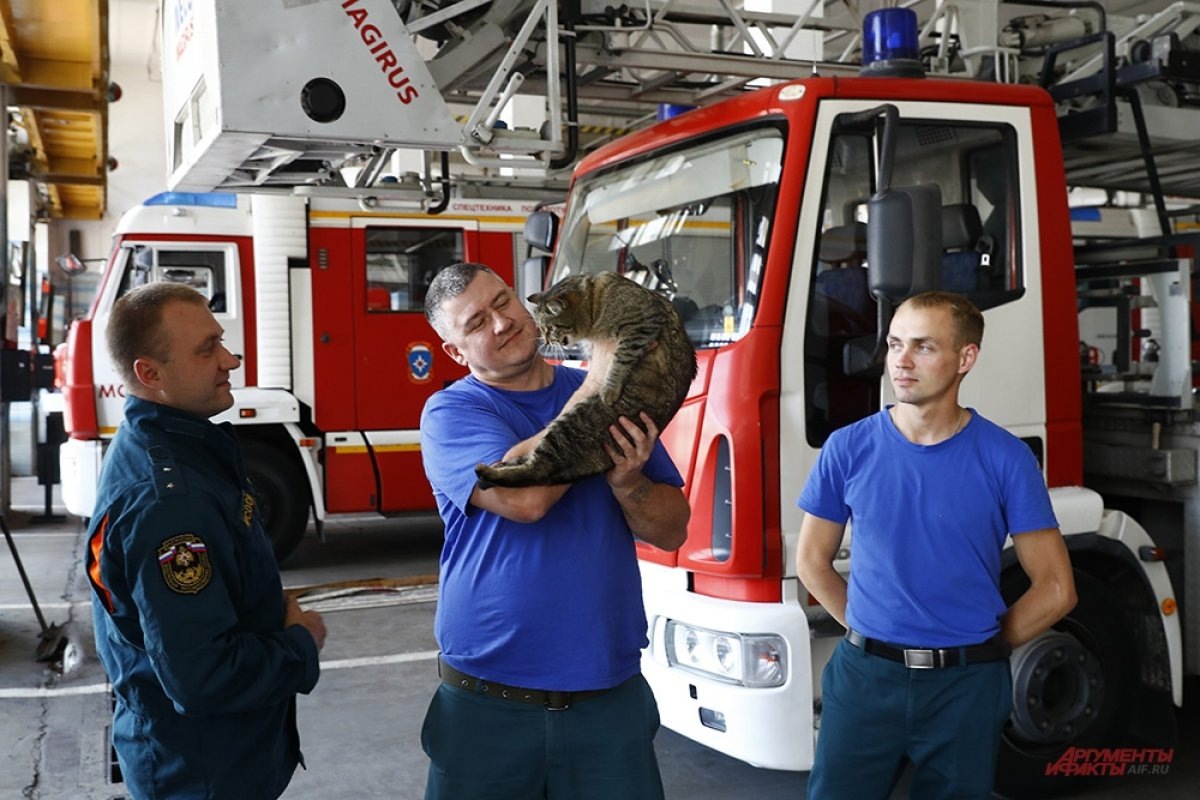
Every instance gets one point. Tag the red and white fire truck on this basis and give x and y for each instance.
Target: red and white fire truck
(323, 302)
(757, 216)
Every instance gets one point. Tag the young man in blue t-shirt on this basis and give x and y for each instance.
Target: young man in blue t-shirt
(540, 618)
(933, 491)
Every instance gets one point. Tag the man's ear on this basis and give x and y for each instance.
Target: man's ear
(967, 357)
(146, 371)
(454, 353)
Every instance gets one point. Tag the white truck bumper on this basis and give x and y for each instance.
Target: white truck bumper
(768, 727)
(79, 463)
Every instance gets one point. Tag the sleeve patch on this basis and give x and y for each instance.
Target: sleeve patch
(184, 563)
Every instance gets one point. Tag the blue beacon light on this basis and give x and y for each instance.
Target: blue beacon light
(891, 46)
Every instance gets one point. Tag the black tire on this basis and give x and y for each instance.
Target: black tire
(281, 494)
(1081, 697)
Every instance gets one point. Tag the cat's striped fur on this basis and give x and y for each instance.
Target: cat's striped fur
(651, 370)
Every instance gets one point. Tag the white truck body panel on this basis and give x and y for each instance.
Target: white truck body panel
(234, 79)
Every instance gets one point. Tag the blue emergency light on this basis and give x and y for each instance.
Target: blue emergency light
(891, 45)
(210, 199)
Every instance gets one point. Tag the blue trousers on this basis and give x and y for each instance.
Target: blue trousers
(876, 713)
(488, 748)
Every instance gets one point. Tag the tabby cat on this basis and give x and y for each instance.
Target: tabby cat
(652, 366)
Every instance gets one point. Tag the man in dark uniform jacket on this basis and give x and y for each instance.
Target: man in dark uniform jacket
(204, 652)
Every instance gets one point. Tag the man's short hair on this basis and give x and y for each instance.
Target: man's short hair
(135, 327)
(449, 283)
(966, 318)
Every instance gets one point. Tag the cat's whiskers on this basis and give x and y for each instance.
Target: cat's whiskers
(554, 350)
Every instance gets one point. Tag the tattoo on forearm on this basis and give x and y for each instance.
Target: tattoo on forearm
(641, 491)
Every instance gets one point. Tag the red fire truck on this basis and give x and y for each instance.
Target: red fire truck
(786, 225)
(323, 302)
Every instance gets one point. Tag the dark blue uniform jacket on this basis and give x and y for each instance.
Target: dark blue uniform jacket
(188, 610)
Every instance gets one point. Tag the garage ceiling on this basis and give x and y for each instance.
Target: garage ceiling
(54, 59)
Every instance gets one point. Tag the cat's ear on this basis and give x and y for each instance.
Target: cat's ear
(536, 298)
(555, 306)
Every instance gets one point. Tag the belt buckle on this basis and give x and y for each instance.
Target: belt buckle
(558, 701)
(920, 659)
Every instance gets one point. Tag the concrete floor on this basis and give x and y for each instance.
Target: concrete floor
(360, 727)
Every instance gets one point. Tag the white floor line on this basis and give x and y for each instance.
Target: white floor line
(44, 606)
(101, 688)
(57, 691)
(42, 534)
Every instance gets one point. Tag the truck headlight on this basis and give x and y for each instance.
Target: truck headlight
(755, 660)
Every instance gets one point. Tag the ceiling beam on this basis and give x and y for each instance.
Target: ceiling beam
(54, 57)
(76, 171)
(10, 66)
(55, 99)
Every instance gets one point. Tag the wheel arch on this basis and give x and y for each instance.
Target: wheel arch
(287, 438)
(278, 462)
(1140, 655)
(1111, 556)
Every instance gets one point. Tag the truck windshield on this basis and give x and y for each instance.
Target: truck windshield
(692, 224)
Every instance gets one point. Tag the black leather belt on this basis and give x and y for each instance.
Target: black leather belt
(995, 649)
(551, 700)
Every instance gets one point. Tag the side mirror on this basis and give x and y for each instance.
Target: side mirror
(71, 264)
(533, 276)
(541, 229)
(904, 241)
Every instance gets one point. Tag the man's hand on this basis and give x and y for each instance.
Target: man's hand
(657, 513)
(630, 450)
(309, 620)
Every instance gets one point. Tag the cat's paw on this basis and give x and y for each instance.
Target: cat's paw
(483, 474)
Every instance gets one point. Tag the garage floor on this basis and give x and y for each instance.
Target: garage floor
(360, 728)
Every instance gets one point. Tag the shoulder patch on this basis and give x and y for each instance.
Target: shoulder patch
(184, 563)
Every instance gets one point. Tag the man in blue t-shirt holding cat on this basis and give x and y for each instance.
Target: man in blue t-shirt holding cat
(540, 618)
(933, 491)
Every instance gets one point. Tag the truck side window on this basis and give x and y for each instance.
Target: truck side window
(974, 166)
(841, 308)
(991, 171)
(203, 270)
(401, 263)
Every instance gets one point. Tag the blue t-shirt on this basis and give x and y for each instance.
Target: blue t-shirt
(929, 525)
(555, 604)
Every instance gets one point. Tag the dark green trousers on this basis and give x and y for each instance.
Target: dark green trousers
(487, 748)
(876, 713)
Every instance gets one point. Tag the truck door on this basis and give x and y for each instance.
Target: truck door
(398, 360)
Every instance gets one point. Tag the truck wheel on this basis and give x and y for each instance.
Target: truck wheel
(1072, 687)
(281, 494)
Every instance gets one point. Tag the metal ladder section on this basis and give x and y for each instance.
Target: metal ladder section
(612, 65)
